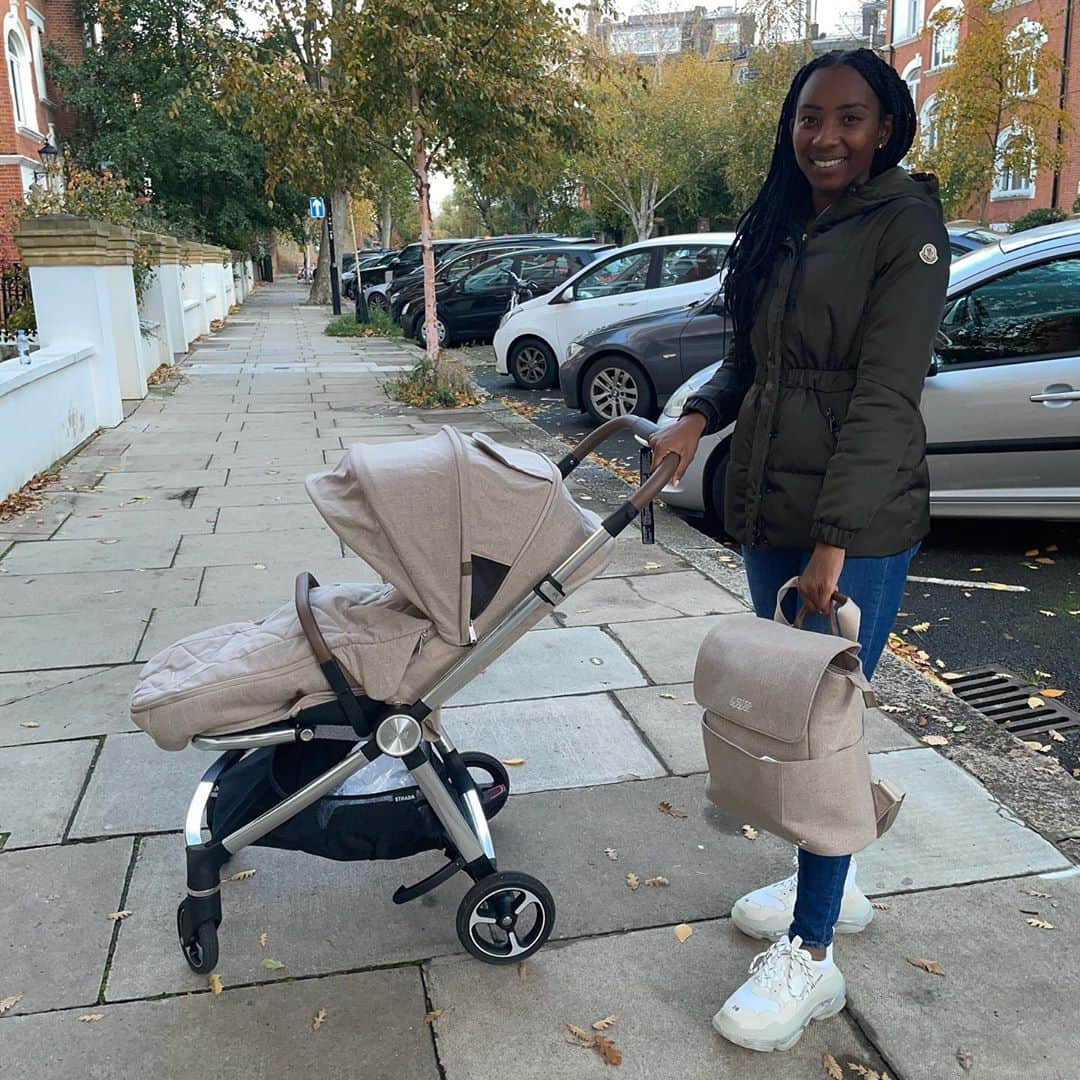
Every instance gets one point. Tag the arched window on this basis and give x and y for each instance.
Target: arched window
(907, 19)
(1015, 174)
(22, 86)
(1025, 43)
(928, 120)
(944, 21)
(911, 75)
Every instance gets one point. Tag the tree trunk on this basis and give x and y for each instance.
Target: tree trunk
(423, 192)
(320, 284)
(386, 218)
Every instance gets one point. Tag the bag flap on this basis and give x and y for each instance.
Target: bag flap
(762, 675)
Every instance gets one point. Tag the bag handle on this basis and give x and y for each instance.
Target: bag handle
(844, 615)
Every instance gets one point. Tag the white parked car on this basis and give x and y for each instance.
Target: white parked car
(664, 272)
(1002, 398)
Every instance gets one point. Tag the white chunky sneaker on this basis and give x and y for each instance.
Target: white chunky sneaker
(787, 989)
(766, 913)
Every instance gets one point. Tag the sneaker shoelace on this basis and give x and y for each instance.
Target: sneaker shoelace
(775, 968)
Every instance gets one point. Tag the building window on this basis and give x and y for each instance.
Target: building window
(1025, 43)
(1015, 175)
(944, 21)
(22, 87)
(37, 36)
(931, 134)
(907, 19)
(911, 75)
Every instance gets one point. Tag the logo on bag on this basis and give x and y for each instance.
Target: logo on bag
(741, 704)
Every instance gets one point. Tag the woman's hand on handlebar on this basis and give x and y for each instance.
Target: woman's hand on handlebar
(680, 438)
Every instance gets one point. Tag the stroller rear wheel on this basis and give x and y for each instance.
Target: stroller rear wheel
(505, 918)
(200, 949)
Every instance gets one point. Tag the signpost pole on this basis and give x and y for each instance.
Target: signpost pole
(335, 290)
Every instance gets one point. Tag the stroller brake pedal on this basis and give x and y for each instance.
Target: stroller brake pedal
(405, 893)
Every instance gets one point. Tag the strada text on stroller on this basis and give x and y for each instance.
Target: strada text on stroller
(326, 713)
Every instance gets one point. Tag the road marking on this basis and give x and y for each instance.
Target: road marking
(993, 586)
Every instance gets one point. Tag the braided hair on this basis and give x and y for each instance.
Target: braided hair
(781, 207)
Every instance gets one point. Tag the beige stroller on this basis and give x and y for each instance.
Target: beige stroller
(326, 713)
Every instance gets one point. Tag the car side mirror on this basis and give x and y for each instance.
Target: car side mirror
(566, 296)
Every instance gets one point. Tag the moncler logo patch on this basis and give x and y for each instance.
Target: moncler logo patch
(928, 254)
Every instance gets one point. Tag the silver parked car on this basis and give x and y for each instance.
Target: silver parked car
(1002, 397)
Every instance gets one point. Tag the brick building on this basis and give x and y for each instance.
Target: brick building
(653, 36)
(30, 112)
(921, 54)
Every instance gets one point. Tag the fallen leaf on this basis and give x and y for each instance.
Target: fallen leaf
(932, 967)
(431, 1017)
(683, 932)
(633, 881)
(957, 728)
(658, 881)
(935, 740)
(1051, 548)
(118, 916)
(1040, 924)
(523, 971)
(749, 832)
(895, 708)
(920, 627)
(652, 566)
(580, 1033)
(319, 1020)
(832, 1067)
(668, 697)
(30, 724)
(1035, 702)
(1048, 614)
(262, 940)
(108, 541)
(596, 660)
(9, 1003)
(215, 984)
(975, 569)
(260, 566)
(1056, 735)
(272, 965)
(1038, 747)
(608, 1050)
(939, 663)
(666, 808)
(863, 1071)
(1031, 553)
(879, 905)
(90, 1018)
(1051, 693)
(964, 1059)
(607, 1022)
(611, 853)
(514, 761)
(1076, 774)
(1045, 561)
(1036, 893)
(241, 875)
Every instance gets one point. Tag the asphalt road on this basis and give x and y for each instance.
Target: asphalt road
(1029, 634)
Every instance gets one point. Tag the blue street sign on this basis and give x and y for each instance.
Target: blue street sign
(316, 206)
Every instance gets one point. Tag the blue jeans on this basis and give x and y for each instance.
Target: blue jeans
(877, 586)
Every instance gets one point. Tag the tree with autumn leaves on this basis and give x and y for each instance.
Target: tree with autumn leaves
(997, 107)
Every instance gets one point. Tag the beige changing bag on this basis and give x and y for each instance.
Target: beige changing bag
(783, 730)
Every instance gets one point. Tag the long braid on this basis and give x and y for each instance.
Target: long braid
(783, 204)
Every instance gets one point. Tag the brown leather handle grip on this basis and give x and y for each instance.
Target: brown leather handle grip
(305, 582)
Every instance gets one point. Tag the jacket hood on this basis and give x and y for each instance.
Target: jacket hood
(894, 183)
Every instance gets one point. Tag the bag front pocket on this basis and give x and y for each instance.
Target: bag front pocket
(740, 783)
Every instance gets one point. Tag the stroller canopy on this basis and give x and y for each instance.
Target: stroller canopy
(455, 522)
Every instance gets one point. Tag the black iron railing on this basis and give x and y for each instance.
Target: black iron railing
(16, 302)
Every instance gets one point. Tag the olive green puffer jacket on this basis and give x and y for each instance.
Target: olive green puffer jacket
(829, 444)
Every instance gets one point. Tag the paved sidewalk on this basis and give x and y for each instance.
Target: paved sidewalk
(192, 514)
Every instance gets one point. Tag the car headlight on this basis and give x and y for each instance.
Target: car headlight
(572, 350)
(677, 401)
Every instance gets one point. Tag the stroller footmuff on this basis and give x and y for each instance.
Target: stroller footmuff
(326, 714)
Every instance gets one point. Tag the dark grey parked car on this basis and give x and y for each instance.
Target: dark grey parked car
(635, 366)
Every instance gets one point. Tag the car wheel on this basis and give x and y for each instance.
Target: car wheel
(716, 478)
(533, 365)
(615, 386)
(378, 300)
(446, 339)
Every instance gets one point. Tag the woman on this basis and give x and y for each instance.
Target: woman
(835, 285)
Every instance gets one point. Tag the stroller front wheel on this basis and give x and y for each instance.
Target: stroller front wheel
(201, 948)
(505, 918)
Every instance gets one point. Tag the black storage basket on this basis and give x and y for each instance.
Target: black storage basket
(387, 825)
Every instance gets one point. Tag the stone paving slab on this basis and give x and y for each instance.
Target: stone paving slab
(653, 596)
(559, 663)
(66, 556)
(550, 734)
(274, 585)
(211, 498)
(54, 930)
(311, 459)
(136, 788)
(950, 830)
(58, 771)
(666, 650)
(275, 474)
(670, 719)
(70, 639)
(152, 525)
(254, 1033)
(633, 557)
(169, 625)
(69, 703)
(1004, 994)
(104, 590)
(664, 993)
(247, 519)
(174, 479)
(295, 547)
(139, 462)
(311, 908)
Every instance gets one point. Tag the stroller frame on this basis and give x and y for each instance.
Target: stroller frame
(497, 899)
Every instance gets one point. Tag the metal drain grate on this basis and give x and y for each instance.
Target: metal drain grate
(1004, 699)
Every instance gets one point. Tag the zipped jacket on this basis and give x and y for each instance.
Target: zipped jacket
(829, 444)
